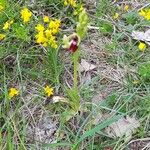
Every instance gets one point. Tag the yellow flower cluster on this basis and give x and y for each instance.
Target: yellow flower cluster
(46, 19)
(48, 91)
(70, 2)
(47, 36)
(7, 24)
(13, 92)
(26, 14)
(54, 26)
(145, 13)
(2, 36)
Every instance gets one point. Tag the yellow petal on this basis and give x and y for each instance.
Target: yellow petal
(46, 19)
(142, 46)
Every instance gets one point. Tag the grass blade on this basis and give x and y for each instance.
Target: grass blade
(96, 129)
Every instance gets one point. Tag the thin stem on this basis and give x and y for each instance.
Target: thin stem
(75, 73)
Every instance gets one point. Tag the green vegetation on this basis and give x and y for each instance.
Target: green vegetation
(73, 75)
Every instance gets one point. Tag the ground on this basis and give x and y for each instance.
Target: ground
(54, 96)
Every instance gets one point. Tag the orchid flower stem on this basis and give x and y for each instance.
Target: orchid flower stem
(75, 73)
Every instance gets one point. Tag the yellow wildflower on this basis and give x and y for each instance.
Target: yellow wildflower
(142, 12)
(145, 13)
(52, 42)
(26, 14)
(142, 46)
(51, 24)
(116, 16)
(48, 33)
(7, 24)
(126, 8)
(54, 26)
(54, 45)
(54, 31)
(13, 92)
(48, 91)
(70, 2)
(46, 19)
(58, 22)
(40, 38)
(40, 27)
(44, 44)
(2, 36)
(46, 36)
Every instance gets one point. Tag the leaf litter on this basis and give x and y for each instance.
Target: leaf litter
(142, 36)
(86, 66)
(124, 126)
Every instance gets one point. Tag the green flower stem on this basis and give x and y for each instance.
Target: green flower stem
(75, 71)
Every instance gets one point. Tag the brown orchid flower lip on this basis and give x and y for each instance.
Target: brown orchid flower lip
(73, 44)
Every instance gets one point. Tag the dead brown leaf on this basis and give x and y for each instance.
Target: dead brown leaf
(56, 99)
(124, 126)
(142, 36)
(86, 66)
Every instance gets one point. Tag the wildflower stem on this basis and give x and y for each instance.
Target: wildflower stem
(75, 73)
